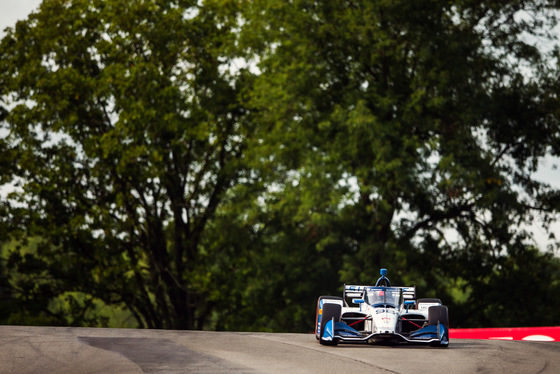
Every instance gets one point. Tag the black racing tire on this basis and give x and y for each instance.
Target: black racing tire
(330, 311)
(439, 314)
(317, 313)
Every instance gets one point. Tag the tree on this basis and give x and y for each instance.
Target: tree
(125, 133)
(155, 173)
(425, 119)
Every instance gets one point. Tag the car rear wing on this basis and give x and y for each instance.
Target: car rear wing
(357, 292)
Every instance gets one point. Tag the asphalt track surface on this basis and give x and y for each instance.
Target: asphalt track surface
(86, 350)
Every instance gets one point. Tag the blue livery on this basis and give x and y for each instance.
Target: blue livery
(381, 314)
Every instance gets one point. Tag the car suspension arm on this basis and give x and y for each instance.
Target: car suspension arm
(404, 319)
(358, 321)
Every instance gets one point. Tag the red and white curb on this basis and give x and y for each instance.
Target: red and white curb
(538, 334)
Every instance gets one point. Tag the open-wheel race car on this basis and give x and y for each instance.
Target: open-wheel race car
(383, 314)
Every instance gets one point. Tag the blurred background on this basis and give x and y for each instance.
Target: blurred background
(221, 164)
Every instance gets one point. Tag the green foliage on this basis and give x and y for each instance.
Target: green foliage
(425, 109)
(126, 131)
(220, 164)
(32, 296)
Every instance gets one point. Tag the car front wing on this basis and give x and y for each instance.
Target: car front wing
(437, 334)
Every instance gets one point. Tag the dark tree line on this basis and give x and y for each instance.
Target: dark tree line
(220, 164)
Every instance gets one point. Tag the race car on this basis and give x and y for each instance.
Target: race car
(382, 315)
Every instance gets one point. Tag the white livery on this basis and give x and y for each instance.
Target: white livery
(381, 314)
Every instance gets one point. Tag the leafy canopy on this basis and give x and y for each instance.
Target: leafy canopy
(220, 164)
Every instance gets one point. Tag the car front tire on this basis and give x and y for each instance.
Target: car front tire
(330, 312)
